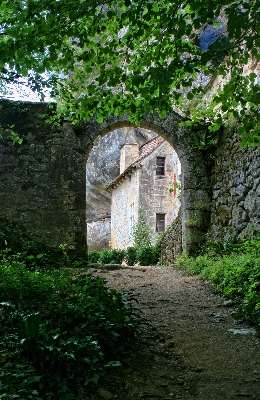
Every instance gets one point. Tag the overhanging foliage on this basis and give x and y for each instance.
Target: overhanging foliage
(116, 56)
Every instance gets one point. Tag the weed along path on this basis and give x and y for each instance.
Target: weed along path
(192, 347)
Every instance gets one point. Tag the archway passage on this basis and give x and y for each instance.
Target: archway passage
(132, 175)
(43, 180)
(195, 184)
(102, 167)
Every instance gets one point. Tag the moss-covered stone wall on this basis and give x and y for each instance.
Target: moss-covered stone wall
(171, 242)
(42, 180)
(235, 180)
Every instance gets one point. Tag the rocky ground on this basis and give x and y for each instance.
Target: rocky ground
(192, 347)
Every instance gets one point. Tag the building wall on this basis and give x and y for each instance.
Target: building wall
(155, 196)
(101, 168)
(148, 192)
(171, 243)
(123, 196)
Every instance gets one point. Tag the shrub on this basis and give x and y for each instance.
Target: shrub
(59, 328)
(234, 270)
(93, 256)
(105, 256)
(141, 231)
(193, 266)
(117, 256)
(131, 255)
(147, 255)
(114, 256)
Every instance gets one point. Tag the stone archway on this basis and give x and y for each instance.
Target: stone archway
(43, 180)
(194, 178)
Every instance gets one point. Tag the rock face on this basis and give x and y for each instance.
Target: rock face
(102, 167)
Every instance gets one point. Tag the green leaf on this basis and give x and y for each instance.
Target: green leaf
(113, 364)
(34, 379)
(241, 130)
(155, 7)
(257, 42)
(214, 127)
(129, 48)
(100, 119)
(162, 114)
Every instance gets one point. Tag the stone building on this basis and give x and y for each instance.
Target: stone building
(103, 165)
(146, 175)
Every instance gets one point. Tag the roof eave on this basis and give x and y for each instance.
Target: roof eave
(122, 177)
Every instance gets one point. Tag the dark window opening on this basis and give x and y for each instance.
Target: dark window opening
(160, 166)
(160, 222)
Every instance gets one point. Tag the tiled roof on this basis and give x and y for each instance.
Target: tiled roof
(144, 151)
(149, 147)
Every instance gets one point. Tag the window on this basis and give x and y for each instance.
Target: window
(160, 165)
(160, 222)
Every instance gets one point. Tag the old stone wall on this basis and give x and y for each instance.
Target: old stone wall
(235, 189)
(155, 196)
(171, 242)
(42, 181)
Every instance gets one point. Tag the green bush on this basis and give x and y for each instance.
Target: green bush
(114, 256)
(193, 266)
(147, 255)
(131, 255)
(104, 256)
(59, 328)
(117, 256)
(142, 231)
(93, 256)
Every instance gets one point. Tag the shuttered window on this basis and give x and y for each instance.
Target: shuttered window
(160, 222)
(160, 165)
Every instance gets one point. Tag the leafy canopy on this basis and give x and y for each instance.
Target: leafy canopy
(116, 56)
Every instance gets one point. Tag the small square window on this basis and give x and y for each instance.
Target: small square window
(160, 222)
(160, 165)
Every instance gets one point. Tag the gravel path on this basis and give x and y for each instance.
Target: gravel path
(193, 348)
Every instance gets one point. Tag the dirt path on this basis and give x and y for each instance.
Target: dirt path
(188, 351)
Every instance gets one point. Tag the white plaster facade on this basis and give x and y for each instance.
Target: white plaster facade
(140, 187)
